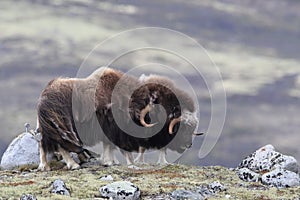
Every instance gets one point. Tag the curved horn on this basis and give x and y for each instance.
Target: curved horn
(172, 124)
(143, 114)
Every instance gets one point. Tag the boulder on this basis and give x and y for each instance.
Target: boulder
(120, 190)
(270, 167)
(59, 187)
(23, 150)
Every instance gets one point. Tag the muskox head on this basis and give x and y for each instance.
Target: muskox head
(173, 108)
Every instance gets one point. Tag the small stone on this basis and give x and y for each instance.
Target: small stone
(28, 197)
(107, 178)
(27, 126)
(246, 174)
(23, 150)
(281, 178)
(227, 196)
(217, 187)
(120, 190)
(186, 194)
(205, 191)
(59, 187)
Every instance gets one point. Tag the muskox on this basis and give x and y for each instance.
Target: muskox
(180, 119)
(74, 113)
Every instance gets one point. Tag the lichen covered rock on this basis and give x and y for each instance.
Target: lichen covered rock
(59, 187)
(270, 167)
(202, 192)
(120, 190)
(28, 197)
(186, 194)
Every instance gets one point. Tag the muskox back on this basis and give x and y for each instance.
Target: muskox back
(127, 105)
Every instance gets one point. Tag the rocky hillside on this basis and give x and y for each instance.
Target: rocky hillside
(157, 183)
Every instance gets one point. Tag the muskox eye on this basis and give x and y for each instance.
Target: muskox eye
(175, 109)
(176, 112)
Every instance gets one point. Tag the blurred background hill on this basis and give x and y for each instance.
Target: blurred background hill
(254, 43)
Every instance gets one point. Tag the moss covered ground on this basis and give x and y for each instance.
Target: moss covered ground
(153, 181)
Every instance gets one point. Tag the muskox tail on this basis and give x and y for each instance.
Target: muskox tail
(58, 130)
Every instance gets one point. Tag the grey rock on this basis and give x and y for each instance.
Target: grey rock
(107, 178)
(28, 197)
(261, 160)
(23, 150)
(120, 190)
(217, 187)
(211, 189)
(281, 178)
(267, 159)
(203, 192)
(59, 187)
(270, 167)
(186, 194)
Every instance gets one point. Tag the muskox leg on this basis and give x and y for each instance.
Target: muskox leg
(108, 155)
(71, 164)
(162, 157)
(128, 157)
(43, 166)
(140, 158)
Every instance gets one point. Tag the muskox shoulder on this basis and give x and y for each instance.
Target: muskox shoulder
(166, 87)
(161, 80)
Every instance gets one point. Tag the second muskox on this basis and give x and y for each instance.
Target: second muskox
(179, 121)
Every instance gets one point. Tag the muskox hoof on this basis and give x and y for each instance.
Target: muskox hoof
(163, 162)
(139, 161)
(108, 163)
(43, 167)
(73, 166)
